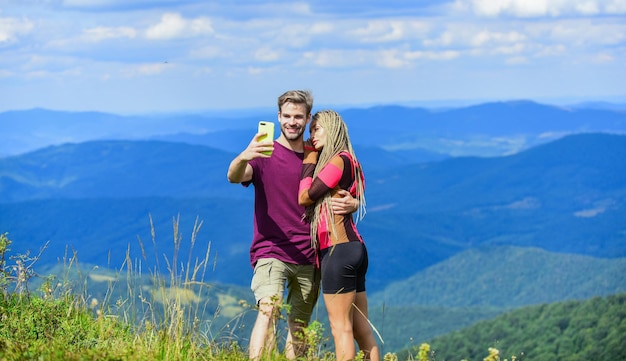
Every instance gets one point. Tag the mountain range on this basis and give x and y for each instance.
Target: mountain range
(98, 197)
(488, 129)
(470, 211)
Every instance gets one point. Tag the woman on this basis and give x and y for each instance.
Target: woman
(328, 167)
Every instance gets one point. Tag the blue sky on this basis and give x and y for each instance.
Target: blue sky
(144, 56)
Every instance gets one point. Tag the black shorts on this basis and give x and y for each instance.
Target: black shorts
(344, 267)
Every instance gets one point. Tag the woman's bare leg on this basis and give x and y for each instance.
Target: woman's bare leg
(362, 329)
(339, 308)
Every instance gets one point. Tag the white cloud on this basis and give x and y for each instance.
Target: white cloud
(331, 58)
(11, 28)
(615, 7)
(266, 54)
(301, 8)
(173, 25)
(256, 71)
(523, 8)
(511, 49)
(87, 3)
(389, 30)
(603, 58)
(104, 33)
(551, 50)
(531, 41)
(539, 8)
(208, 52)
(380, 31)
(572, 40)
(446, 38)
(64, 74)
(517, 60)
(110, 4)
(587, 32)
(391, 59)
(590, 213)
(320, 28)
(433, 55)
(467, 36)
(588, 8)
(147, 69)
(485, 37)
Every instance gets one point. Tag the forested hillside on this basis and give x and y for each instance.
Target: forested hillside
(505, 276)
(481, 283)
(593, 329)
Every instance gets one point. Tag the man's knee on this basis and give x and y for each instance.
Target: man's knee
(268, 307)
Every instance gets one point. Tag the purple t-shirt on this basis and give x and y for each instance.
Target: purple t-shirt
(279, 231)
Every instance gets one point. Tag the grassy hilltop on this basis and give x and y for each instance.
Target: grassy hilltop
(131, 316)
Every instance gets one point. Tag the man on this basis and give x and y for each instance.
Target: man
(281, 249)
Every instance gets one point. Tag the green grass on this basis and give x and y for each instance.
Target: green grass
(159, 320)
(132, 315)
(136, 317)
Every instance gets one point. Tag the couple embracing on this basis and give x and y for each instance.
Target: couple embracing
(304, 231)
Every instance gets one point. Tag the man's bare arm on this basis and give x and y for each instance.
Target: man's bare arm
(239, 170)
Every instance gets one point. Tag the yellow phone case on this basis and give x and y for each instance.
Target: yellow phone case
(268, 129)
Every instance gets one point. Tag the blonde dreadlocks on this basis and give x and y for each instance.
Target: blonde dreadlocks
(337, 141)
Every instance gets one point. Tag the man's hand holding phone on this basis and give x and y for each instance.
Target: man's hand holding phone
(261, 146)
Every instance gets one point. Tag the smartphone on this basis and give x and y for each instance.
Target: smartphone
(268, 129)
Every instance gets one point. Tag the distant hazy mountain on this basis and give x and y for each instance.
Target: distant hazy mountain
(28, 130)
(116, 169)
(566, 196)
(105, 231)
(505, 276)
(120, 169)
(489, 129)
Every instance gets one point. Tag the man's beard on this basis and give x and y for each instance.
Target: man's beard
(292, 136)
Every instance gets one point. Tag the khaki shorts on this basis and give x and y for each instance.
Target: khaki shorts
(303, 284)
